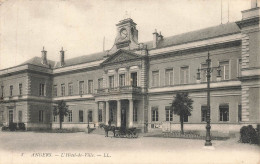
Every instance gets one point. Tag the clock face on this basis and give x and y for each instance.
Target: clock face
(123, 33)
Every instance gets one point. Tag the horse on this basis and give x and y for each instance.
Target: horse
(108, 128)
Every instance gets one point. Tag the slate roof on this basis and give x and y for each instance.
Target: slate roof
(83, 59)
(202, 34)
(38, 61)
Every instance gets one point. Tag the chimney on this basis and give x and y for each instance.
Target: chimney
(44, 57)
(155, 38)
(254, 4)
(160, 37)
(62, 61)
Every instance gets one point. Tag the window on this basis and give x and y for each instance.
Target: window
(41, 116)
(90, 86)
(70, 116)
(111, 114)
(81, 87)
(239, 67)
(20, 89)
(11, 90)
(155, 114)
(134, 79)
(90, 117)
(100, 115)
(185, 118)
(2, 91)
(168, 113)
(54, 118)
(239, 113)
(184, 75)
(224, 67)
(81, 116)
(55, 91)
(204, 109)
(70, 86)
(122, 80)
(111, 81)
(203, 75)
(62, 89)
(155, 79)
(42, 90)
(135, 114)
(223, 113)
(100, 83)
(168, 77)
(20, 116)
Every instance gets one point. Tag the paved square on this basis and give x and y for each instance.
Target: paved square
(29, 147)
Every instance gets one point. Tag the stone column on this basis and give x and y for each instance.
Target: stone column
(118, 118)
(107, 112)
(96, 114)
(130, 113)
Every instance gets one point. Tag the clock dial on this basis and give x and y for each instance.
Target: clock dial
(123, 33)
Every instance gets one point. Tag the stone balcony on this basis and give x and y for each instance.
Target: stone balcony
(118, 90)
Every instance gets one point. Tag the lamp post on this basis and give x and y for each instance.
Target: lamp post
(208, 75)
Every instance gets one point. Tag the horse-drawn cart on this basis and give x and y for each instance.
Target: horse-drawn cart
(120, 132)
(126, 133)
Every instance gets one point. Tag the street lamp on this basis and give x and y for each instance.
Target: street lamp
(208, 71)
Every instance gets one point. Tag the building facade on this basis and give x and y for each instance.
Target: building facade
(133, 84)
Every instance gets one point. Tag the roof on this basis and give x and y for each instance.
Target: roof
(38, 61)
(202, 34)
(83, 59)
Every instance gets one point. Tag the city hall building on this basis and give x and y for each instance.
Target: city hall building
(133, 84)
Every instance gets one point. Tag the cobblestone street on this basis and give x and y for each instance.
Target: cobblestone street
(28, 147)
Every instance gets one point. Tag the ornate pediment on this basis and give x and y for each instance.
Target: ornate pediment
(121, 56)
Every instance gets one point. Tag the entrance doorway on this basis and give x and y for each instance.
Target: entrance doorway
(124, 108)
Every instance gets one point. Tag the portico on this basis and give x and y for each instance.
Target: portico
(119, 112)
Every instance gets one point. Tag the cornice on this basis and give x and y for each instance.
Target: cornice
(223, 85)
(248, 22)
(196, 50)
(25, 68)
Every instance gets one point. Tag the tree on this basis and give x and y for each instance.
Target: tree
(62, 110)
(182, 106)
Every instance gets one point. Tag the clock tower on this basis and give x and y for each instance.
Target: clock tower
(127, 35)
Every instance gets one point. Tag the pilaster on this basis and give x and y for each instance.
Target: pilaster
(118, 119)
(130, 114)
(107, 112)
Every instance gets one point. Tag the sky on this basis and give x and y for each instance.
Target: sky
(79, 26)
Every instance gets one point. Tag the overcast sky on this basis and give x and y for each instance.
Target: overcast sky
(80, 25)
